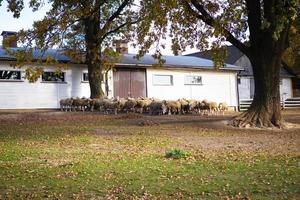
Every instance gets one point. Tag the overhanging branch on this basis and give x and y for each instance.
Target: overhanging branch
(203, 15)
(115, 15)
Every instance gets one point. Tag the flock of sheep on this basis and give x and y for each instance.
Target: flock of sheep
(142, 105)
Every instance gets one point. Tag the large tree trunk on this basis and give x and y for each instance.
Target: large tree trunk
(265, 110)
(93, 56)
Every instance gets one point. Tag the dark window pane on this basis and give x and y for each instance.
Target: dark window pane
(85, 76)
(10, 75)
(192, 80)
(53, 77)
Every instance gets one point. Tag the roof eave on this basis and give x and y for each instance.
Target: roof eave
(178, 66)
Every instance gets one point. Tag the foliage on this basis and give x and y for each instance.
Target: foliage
(204, 24)
(292, 54)
(82, 29)
(176, 154)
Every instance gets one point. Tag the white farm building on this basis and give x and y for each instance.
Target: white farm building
(179, 77)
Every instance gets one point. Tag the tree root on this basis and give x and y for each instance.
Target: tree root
(253, 119)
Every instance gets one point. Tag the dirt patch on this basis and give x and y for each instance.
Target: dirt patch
(148, 123)
(129, 116)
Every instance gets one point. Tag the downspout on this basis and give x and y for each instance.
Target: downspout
(106, 83)
(237, 91)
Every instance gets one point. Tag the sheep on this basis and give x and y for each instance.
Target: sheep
(129, 105)
(203, 107)
(173, 107)
(158, 107)
(223, 107)
(213, 107)
(185, 107)
(193, 105)
(96, 104)
(111, 105)
(142, 104)
(66, 104)
(80, 103)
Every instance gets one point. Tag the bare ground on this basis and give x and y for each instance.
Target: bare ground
(210, 134)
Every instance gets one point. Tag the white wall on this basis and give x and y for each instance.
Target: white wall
(217, 86)
(25, 95)
(244, 88)
(285, 88)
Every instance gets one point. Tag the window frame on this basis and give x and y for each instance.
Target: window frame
(13, 80)
(45, 81)
(190, 75)
(82, 77)
(158, 84)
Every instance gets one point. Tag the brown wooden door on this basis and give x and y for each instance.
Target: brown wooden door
(129, 82)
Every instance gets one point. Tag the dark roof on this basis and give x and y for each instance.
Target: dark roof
(36, 54)
(249, 72)
(174, 62)
(129, 59)
(233, 54)
(4, 33)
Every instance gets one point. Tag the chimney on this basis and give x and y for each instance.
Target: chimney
(178, 53)
(9, 38)
(121, 47)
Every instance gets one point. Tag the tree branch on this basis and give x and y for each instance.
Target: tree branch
(115, 15)
(254, 19)
(117, 29)
(203, 15)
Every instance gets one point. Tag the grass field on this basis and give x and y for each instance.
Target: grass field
(92, 156)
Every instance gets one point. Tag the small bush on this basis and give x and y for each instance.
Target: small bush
(176, 154)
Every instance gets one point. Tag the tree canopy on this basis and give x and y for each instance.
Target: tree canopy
(292, 54)
(82, 29)
(258, 28)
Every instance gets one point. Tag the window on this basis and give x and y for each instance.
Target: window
(10, 75)
(239, 80)
(85, 77)
(192, 80)
(53, 77)
(162, 80)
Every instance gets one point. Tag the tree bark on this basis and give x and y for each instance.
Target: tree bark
(93, 56)
(265, 110)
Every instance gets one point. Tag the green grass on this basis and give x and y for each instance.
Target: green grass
(42, 158)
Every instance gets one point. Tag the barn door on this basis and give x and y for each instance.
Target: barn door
(129, 82)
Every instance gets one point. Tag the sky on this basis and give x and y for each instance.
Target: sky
(27, 17)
